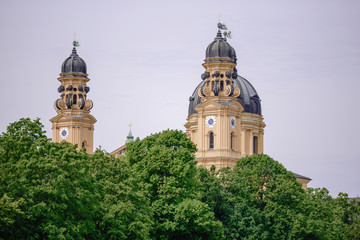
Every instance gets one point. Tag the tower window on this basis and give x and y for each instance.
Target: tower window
(211, 140)
(232, 141)
(255, 145)
(221, 85)
(74, 99)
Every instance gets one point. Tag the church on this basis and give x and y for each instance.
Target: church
(224, 116)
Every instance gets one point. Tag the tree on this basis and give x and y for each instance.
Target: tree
(126, 212)
(52, 191)
(60, 198)
(230, 206)
(18, 139)
(349, 215)
(164, 162)
(325, 217)
(353, 224)
(273, 192)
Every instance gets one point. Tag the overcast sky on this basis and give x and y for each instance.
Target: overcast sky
(145, 58)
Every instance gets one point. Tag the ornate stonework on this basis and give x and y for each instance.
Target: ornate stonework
(73, 122)
(225, 120)
(236, 133)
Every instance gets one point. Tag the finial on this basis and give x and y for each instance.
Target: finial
(130, 126)
(221, 26)
(75, 43)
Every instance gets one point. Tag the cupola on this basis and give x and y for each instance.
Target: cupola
(220, 48)
(73, 64)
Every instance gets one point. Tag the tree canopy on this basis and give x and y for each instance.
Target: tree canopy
(52, 191)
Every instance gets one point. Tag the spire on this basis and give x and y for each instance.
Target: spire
(130, 137)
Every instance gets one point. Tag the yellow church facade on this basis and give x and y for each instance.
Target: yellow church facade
(73, 122)
(224, 117)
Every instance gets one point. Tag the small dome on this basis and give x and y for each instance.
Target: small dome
(220, 48)
(248, 98)
(74, 63)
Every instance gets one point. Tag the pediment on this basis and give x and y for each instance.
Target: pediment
(60, 117)
(208, 105)
(66, 117)
(211, 105)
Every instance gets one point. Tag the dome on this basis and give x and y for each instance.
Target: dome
(74, 63)
(248, 98)
(220, 48)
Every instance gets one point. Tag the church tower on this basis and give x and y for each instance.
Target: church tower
(73, 122)
(224, 119)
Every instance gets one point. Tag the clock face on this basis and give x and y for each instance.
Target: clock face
(210, 121)
(64, 133)
(232, 122)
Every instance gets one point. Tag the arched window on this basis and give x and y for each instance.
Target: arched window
(255, 144)
(221, 85)
(74, 99)
(211, 140)
(83, 144)
(232, 141)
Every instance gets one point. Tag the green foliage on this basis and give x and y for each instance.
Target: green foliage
(240, 221)
(164, 162)
(260, 199)
(353, 221)
(60, 197)
(18, 139)
(273, 192)
(9, 211)
(52, 191)
(322, 206)
(125, 208)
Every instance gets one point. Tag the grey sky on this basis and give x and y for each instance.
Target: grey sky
(144, 61)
